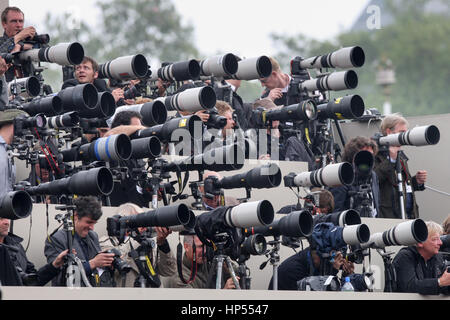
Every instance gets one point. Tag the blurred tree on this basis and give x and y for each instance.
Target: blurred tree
(125, 27)
(416, 42)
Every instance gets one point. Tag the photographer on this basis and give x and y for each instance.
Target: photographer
(161, 258)
(87, 72)
(420, 268)
(14, 36)
(211, 202)
(345, 196)
(191, 242)
(276, 85)
(306, 263)
(7, 169)
(227, 91)
(86, 244)
(385, 169)
(27, 272)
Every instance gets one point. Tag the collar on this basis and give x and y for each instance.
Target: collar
(11, 238)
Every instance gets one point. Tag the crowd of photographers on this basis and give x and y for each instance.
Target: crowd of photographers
(102, 140)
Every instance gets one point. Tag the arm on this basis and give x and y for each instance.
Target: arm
(128, 130)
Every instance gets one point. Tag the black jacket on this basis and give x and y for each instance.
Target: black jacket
(99, 84)
(417, 276)
(389, 195)
(21, 262)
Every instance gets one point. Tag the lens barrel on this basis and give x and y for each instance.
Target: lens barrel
(332, 175)
(349, 57)
(162, 217)
(253, 68)
(336, 81)
(419, 136)
(219, 66)
(191, 100)
(124, 68)
(348, 107)
(49, 106)
(82, 97)
(93, 182)
(250, 214)
(144, 148)
(152, 113)
(15, 205)
(178, 71)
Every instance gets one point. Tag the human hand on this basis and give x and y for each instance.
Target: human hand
(25, 33)
(275, 94)
(101, 260)
(444, 280)
(117, 94)
(59, 261)
(230, 284)
(348, 267)
(203, 115)
(338, 260)
(162, 234)
(421, 176)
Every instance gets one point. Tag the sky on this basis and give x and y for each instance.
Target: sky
(239, 26)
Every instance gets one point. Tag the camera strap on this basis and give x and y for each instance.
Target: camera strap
(180, 263)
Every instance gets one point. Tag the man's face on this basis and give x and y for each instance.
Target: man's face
(198, 250)
(84, 73)
(230, 121)
(270, 82)
(431, 246)
(13, 24)
(84, 225)
(4, 227)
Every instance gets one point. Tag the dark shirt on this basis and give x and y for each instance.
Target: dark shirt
(7, 45)
(416, 275)
(293, 269)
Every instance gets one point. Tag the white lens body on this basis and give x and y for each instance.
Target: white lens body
(249, 214)
(336, 81)
(248, 69)
(25, 87)
(216, 65)
(418, 136)
(329, 176)
(341, 58)
(356, 234)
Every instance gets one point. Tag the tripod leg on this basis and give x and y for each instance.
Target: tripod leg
(219, 272)
(233, 274)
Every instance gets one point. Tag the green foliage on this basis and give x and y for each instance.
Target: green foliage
(417, 43)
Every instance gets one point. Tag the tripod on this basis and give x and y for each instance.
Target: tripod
(390, 276)
(148, 278)
(217, 264)
(274, 260)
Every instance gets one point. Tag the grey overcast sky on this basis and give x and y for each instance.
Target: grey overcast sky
(238, 26)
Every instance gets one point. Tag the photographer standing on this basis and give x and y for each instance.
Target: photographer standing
(7, 169)
(420, 268)
(277, 84)
(14, 36)
(346, 196)
(85, 242)
(384, 167)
